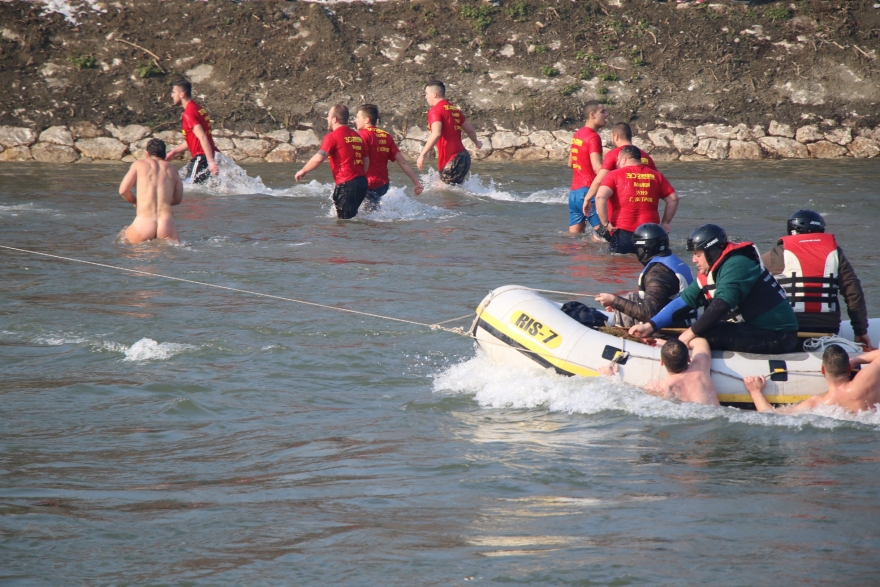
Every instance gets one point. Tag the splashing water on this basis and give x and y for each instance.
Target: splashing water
(499, 387)
(397, 205)
(232, 180)
(147, 349)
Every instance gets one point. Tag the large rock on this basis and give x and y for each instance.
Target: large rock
(758, 132)
(417, 133)
(16, 154)
(102, 148)
(279, 136)
(685, 143)
(542, 138)
(472, 148)
(131, 133)
(809, 134)
(663, 154)
(713, 148)
(283, 153)
(508, 140)
(662, 137)
(138, 149)
(826, 150)
(643, 144)
(530, 154)
(690, 157)
(744, 150)
(411, 147)
(253, 147)
(500, 156)
(558, 150)
(739, 132)
(864, 148)
(86, 130)
(780, 130)
(782, 147)
(305, 139)
(236, 155)
(223, 144)
(563, 135)
(57, 135)
(172, 138)
(841, 136)
(16, 136)
(52, 153)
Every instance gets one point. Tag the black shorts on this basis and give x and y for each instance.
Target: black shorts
(621, 242)
(348, 197)
(374, 196)
(197, 169)
(457, 168)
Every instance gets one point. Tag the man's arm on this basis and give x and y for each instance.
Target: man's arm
(594, 187)
(856, 308)
(471, 132)
(701, 358)
(755, 384)
(128, 183)
(660, 284)
(177, 198)
(596, 162)
(418, 188)
(311, 164)
(669, 210)
(602, 196)
(206, 147)
(176, 151)
(436, 132)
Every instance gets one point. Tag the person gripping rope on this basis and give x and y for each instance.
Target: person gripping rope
(446, 123)
(585, 161)
(630, 196)
(345, 149)
(746, 309)
(380, 148)
(196, 133)
(664, 277)
(812, 269)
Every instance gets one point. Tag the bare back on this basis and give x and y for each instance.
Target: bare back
(158, 189)
(694, 385)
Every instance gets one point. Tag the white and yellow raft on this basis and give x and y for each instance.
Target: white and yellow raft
(517, 325)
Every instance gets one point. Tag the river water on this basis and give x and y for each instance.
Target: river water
(156, 432)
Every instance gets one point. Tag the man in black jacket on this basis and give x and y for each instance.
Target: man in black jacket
(663, 277)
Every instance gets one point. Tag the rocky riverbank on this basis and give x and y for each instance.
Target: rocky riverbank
(710, 81)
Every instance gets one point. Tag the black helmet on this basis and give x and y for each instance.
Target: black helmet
(805, 222)
(710, 238)
(650, 240)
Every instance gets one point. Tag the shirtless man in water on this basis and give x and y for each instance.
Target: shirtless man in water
(862, 393)
(158, 188)
(686, 382)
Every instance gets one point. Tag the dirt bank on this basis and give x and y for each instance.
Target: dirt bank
(521, 65)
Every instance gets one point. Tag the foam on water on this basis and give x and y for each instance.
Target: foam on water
(232, 180)
(147, 349)
(496, 386)
(397, 205)
(14, 209)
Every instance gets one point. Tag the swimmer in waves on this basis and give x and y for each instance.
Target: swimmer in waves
(158, 188)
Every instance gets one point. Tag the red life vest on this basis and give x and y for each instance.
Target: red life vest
(811, 276)
(765, 294)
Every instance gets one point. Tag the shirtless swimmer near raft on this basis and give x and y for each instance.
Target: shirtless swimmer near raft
(158, 188)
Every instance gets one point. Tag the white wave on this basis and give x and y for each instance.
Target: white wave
(313, 189)
(14, 209)
(232, 180)
(396, 205)
(551, 196)
(147, 349)
(58, 340)
(496, 386)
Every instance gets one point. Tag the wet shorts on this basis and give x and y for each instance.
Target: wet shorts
(348, 197)
(374, 196)
(622, 242)
(576, 208)
(456, 168)
(197, 170)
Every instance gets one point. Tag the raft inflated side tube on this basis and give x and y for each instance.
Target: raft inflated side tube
(517, 325)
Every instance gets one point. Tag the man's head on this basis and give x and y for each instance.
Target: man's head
(674, 356)
(180, 91)
(367, 115)
(621, 134)
(629, 155)
(595, 114)
(338, 116)
(805, 222)
(707, 242)
(156, 148)
(434, 92)
(835, 363)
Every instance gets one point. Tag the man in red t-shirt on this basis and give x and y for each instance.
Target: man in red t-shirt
(585, 161)
(380, 148)
(197, 135)
(345, 149)
(446, 123)
(629, 197)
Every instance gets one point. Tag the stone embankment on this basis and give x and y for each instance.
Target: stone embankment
(85, 142)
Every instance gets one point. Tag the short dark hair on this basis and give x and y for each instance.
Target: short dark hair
(675, 356)
(836, 361)
(439, 87)
(631, 152)
(340, 112)
(371, 111)
(622, 129)
(590, 107)
(156, 148)
(184, 85)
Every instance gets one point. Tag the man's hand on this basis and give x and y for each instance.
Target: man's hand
(602, 232)
(687, 336)
(478, 145)
(755, 384)
(214, 168)
(608, 370)
(418, 189)
(643, 330)
(606, 300)
(299, 175)
(420, 162)
(665, 226)
(865, 341)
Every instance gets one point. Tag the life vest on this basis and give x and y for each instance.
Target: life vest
(682, 272)
(765, 294)
(811, 275)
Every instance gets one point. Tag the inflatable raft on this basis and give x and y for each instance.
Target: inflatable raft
(517, 325)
